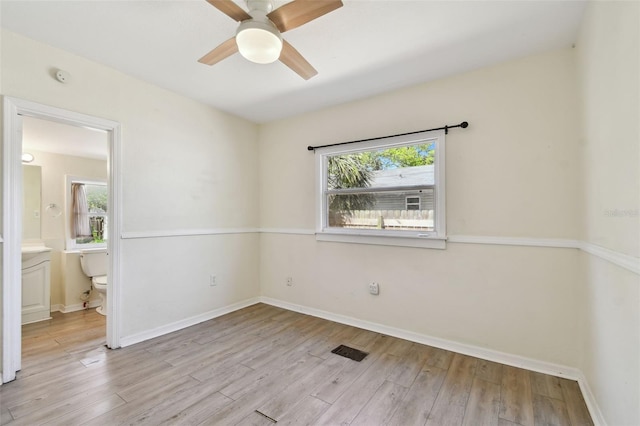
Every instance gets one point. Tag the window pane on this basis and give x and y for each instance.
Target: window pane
(385, 176)
(98, 227)
(96, 198)
(96, 195)
(349, 171)
(383, 210)
(401, 166)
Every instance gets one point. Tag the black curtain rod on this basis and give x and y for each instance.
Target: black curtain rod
(464, 125)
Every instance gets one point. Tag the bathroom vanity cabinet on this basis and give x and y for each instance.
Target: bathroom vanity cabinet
(36, 284)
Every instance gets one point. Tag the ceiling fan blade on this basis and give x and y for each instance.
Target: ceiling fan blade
(299, 12)
(229, 8)
(221, 52)
(294, 60)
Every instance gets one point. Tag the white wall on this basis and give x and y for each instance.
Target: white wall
(512, 173)
(608, 53)
(31, 190)
(522, 119)
(609, 72)
(184, 166)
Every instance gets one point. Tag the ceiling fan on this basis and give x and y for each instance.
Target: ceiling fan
(258, 37)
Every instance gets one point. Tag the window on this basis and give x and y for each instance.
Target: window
(412, 203)
(389, 191)
(87, 208)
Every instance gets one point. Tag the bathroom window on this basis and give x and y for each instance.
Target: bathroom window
(87, 219)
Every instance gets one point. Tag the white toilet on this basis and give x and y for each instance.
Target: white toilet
(94, 264)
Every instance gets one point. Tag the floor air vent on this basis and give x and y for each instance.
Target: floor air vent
(350, 353)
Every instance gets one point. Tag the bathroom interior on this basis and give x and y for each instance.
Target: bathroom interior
(63, 276)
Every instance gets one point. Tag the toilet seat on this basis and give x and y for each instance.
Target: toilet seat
(100, 282)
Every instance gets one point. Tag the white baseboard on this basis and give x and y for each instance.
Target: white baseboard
(188, 322)
(590, 400)
(463, 348)
(65, 309)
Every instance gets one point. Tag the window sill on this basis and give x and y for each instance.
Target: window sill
(85, 249)
(88, 247)
(398, 241)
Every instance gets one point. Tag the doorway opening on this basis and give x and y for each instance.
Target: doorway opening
(20, 118)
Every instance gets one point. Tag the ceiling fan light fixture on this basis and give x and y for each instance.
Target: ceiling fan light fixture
(259, 42)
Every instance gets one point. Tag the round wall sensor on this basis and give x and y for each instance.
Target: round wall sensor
(62, 76)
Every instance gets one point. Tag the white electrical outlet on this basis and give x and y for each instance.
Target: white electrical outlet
(213, 280)
(289, 281)
(374, 289)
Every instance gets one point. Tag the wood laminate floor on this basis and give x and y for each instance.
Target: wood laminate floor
(264, 365)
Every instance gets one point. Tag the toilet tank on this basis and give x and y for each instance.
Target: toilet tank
(94, 262)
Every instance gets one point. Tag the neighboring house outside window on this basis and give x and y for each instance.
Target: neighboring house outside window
(87, 213)
(389, 191)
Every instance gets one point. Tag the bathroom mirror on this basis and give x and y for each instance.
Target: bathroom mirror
(31, 202)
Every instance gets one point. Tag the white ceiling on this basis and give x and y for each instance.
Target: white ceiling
(364, 48)
(49, 136)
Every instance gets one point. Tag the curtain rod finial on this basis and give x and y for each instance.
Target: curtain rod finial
(464, 124)
(310, 148)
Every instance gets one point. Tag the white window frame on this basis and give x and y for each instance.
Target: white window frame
(71, 242)
(406, 238)
(407, 203)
